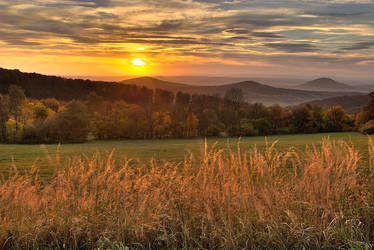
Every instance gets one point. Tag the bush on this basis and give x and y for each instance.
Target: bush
(367, 128)
(30, 134)
(215, 129)
(247, 129)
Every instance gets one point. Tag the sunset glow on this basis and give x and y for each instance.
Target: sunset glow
(196, 37)
(138, 62)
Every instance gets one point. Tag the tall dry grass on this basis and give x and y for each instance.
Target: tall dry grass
(318, 198)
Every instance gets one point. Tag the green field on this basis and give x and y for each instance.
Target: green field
(44, 156)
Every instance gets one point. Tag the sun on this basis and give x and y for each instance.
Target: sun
(138, 62)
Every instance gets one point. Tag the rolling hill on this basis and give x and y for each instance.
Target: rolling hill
(352, 104)
(42, 86)
(253, 91)
(326, 84)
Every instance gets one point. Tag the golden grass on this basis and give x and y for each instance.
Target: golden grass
(317, 198)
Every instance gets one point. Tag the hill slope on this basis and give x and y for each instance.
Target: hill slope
(42, 86)
(352, 104)
(326, 84)
(253, 91)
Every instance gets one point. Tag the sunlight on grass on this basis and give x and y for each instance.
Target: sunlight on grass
(319, 198)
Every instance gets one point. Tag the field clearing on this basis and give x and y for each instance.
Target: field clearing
(175, 150)
(258, 199)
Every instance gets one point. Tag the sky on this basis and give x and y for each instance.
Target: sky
(189, 37)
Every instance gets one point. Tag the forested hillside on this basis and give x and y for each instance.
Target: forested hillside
(36, 108)
(42, 86)
(351, 104)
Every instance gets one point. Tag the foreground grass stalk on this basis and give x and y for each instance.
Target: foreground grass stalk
(319, 198)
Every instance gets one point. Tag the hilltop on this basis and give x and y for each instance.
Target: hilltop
(253, 91)
(326, 84)
(352, 104)
(139, 90)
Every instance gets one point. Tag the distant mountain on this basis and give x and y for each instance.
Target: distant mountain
(155, 83)
(352, 104)
(326, 84)
(365, 87)
(280, 82)
(42, 86)
(253, 91)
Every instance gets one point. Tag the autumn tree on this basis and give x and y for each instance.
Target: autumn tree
(192, 125)
(4, 116)
(69, 125)
(302, 120)
(371, 106)
(234, 98)
(52, 104)
(40, 112)
(337, 119)
(182, 99)
(362, 117)
(17, 100)
(94, 102)
(161, 122)
(163, 97)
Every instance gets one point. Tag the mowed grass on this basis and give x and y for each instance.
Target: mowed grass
(48, 158)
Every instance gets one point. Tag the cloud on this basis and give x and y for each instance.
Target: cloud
(360, 46)
(292, 47)
(190, 30)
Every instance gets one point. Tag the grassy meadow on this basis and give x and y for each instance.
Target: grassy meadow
(273, 197)
(51, 156)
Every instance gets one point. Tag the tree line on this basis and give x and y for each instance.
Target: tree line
(167, 115)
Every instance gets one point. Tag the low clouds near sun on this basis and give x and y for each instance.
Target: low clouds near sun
(94, 37)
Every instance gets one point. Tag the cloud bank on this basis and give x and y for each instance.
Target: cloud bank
(236, 36)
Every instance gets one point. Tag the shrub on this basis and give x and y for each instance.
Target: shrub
(31, 134)
(247, 129)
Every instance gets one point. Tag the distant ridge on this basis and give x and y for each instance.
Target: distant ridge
(326, 84)
(351, 104)
(253, 91)
(42, 86)
(154, 83)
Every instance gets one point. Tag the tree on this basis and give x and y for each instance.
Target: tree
(14, 131)
(4, 116)
(280, 118)
(337, 119)
(302, 120)
(40, 112)
(317, 118)
(94, 102)
(52, 104)
(371, 106)
(362, 117)
(163, 97)
(192, 125)
(206, 119)
(182, 98)
(17, 100)
(161, 122)
(234, 96)
(70, 124)
(262, 125)
(247, 128)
